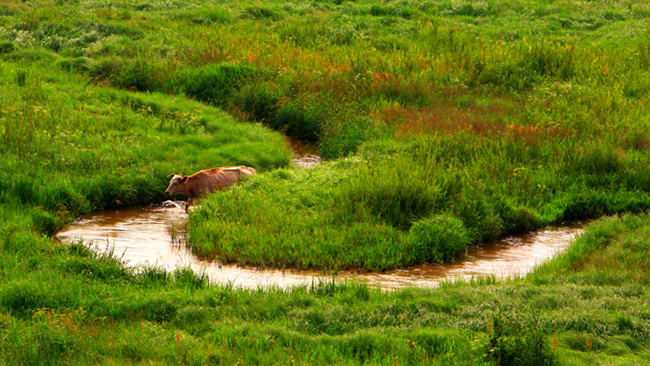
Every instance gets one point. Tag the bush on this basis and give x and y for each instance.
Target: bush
(518, 342)
(300, 119)
(7, 47)
(438, 239)
(213, 84)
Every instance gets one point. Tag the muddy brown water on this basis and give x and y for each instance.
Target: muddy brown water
(305, 155)
(153, 236)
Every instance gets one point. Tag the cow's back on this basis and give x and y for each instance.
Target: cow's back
(236, 172)
(216, 179)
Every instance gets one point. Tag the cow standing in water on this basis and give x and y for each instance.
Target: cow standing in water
(206, 181)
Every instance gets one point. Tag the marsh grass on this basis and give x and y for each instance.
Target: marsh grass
(602, 246)
(425, 201)
(327, 322)
(518, 342)
(349, 56)
(60, 139)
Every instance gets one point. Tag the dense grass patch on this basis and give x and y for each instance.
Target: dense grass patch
(54, 132)
(399, 204)
(307, 68)
(574, 315)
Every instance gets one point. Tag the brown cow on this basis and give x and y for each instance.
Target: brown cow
(206, 181)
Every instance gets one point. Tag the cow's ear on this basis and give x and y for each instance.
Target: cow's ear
(183, 179)
(170, 176)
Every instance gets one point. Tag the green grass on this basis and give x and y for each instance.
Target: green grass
(398, 204)
(103, 313)
(70, 148)
(446, 124)
(330, 71)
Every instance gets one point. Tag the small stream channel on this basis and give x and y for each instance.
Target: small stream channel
(152, 236)
(305, 155)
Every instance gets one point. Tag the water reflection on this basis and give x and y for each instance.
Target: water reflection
(505, 258)
(154, 236)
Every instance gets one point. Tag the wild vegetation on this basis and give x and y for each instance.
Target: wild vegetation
(446, 124)
(399, 204)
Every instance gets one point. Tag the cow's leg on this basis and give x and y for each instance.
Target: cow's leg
(188, 204)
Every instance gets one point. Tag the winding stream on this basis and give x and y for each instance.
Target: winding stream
(152, 236)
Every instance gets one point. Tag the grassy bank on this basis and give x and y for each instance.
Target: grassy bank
(446, 124)
(66, 305)
(70, 148)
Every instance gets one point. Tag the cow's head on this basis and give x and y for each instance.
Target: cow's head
(176, 185)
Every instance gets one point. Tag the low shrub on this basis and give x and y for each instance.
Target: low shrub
(438, 239)
(518, 342)
(214, 84)
(7, 47)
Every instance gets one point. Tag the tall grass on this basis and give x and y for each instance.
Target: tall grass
(102, 312)
(603, 245)
(399, 204)
(344, 61)
(70, 149)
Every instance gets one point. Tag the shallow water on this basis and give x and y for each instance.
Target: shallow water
(153, 236)
(305, 155)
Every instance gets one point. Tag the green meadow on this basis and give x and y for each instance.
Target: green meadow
(443, 125)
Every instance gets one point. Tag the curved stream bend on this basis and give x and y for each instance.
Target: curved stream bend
(152, 236)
